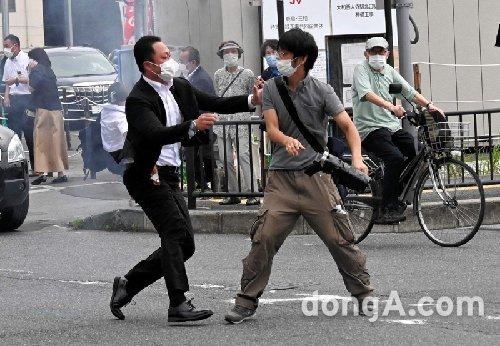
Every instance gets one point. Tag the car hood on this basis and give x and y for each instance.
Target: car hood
(70, 81)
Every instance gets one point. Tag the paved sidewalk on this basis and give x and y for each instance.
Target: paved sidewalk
(103, 203)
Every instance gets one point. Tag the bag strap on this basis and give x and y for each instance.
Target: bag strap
(287, 101)
(236, 77)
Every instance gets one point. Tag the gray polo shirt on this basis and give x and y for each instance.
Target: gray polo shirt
(368, 116)
(315, 101)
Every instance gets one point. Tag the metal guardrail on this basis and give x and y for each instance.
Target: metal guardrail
(481, 151)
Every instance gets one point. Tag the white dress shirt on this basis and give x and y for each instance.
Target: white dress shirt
(12, 66)
(114, 126)
(170, 153)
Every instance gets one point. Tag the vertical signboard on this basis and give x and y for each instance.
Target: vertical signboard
(356, 17)
(309, 15)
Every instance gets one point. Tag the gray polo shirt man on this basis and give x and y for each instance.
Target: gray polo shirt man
(315, 101)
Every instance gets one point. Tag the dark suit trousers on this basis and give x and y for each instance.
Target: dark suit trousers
(166, 208)
(19, 122)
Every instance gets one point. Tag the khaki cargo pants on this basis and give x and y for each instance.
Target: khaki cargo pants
(288, 195)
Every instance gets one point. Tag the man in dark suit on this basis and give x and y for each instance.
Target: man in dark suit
(163, 113)
(201, 80)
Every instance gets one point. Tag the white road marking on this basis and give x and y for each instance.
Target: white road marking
(16, 271)
(98, 283)
(416, 321)
(302, 296)
(208, 286)
(492, 317)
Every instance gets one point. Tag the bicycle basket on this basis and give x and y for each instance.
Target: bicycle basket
(446, 135)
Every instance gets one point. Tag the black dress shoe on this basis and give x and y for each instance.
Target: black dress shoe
(61, 179)
(230, 200)
(41, 179)
(120, 297)
(187, 312)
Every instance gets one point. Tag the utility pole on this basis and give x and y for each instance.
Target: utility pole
(404, 45)
(140, 21)
(281, 17)
(404, 40)
(68, 14)
(5, 17)
(389, 35)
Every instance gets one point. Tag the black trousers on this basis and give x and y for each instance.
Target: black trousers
(166, 208)
(204, 165)
(394, 149)
(20, 123)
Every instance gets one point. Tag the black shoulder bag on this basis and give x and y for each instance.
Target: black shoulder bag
(347, 175)
(229, 85)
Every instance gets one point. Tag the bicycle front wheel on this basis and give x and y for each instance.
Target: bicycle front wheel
(361, 206)
(450, 202)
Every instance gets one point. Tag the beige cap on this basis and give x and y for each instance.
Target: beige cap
(376, 42)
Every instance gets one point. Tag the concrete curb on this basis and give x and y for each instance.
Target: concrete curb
(240, 221)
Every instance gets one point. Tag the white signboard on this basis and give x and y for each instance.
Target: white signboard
(319, 69)
(351, 55)
(308, 15)
(356, 17)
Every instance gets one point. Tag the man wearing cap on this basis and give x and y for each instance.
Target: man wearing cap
(378, 121)
(234, 80)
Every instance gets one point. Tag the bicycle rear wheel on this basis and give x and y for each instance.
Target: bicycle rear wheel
(450, 202)
(361, 205)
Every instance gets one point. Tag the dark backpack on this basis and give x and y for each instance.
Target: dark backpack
(95, 158)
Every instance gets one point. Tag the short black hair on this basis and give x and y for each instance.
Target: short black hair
(40, 56)
(301, 44)
(143, 50)
(272, 43)
(13, 39)
(193, 54)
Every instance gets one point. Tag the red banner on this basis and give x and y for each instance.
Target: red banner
(127, 12)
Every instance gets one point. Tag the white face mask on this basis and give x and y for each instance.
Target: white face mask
(183, 71)
(285, 67)
(8, 52)
(377, 62)
(230, 59)
(168, 70)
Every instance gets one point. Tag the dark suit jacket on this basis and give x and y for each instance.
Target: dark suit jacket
(146, 117)
(202, 81)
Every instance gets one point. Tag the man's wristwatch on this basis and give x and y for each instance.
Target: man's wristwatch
(192, 129)
(427, 105)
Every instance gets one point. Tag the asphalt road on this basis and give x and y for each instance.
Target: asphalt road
(55, 285)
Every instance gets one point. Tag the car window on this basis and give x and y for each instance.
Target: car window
(73, 64)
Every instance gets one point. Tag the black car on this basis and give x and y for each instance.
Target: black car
(14, 184)
(83, 77)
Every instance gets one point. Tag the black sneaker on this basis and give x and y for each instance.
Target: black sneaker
(389, 217)
(230, 200)
(238, 314)
(252, 201)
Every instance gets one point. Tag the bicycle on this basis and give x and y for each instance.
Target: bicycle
(458, 192)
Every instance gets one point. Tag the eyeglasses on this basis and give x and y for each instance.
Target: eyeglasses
(377, 51)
